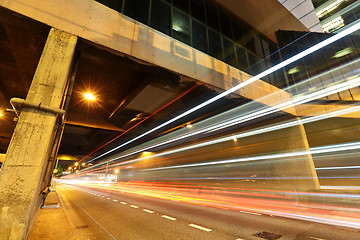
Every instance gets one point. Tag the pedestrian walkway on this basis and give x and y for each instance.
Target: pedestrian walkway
(52, 222)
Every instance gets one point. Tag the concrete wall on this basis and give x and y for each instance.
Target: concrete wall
(2, 157)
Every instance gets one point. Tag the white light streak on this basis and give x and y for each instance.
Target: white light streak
(338, 168)
(319, 150)
(245, 83)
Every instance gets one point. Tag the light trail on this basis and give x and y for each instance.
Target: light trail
(245, 83)
(353, 81)
(313, 151)
(143, 120)
(338, 168)
(246, 134)
(262, 204)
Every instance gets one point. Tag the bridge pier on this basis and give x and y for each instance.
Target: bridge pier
(23, 175)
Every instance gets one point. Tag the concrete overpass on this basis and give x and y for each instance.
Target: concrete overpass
(92, 43)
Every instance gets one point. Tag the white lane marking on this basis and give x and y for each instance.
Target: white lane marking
(316, 238)
(115, 200)
(95, 221)
(259, 214)
(123, 203)
(168, 217)
(108, 198)
(239, 239)
(103, 196)
(133, 206)
(148, 211)
(200, 227)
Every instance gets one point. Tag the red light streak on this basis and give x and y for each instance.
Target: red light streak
(163, 107)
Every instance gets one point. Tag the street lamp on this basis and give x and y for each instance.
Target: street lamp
(89, 96)
(116, 170)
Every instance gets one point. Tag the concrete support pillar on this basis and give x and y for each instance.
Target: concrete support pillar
(26, 159)
(301, 167)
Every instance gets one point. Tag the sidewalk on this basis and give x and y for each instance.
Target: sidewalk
(52, 222)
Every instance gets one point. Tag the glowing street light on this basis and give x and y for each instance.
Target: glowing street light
(1, 114)
(69, 168)
(189, 125)
(76, 163)
(83, 164)
(234, 139)
(89, 96)
(116, 170)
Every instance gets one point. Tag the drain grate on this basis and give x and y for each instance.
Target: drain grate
(81, 226)
(267, 235)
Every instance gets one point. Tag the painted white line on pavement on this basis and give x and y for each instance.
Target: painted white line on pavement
(123, 203)
(95, 220)
(316, 238)
(168, 217)
(148, 211)
(200, 227)
(259, 214)
(133, 206)
(115, 200)
(108, 198)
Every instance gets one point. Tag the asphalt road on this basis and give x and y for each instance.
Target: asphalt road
(104, 214)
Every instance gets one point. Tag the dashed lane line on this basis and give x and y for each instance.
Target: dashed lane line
(148, 211)
(134, 206)
(123, 203)
(168, 217)
(259, 214)
(115, 200)
(200, 227)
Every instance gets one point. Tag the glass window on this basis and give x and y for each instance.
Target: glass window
(242, 58)
(225, 24)
(258, 47)
(133, 10)
(215, 48)
(250, 42)
(229, 52)
(181, 26)
(198, 10)
(266, 49)
(199, 36)
(160, 16)
(182, 5)
(238, 32)
(254, 64)
(113, 4)
(212, 16)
